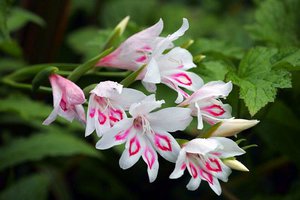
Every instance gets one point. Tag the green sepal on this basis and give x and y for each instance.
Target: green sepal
(132, 77)
(181, 142)
(83, 68)
(249, 146)
(187, 44)
(41, 77)
(210, 131)
(87, 89)
(198, 58)
(116, 33)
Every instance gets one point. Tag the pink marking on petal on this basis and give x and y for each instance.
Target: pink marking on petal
(63, 105)
(215, 110)
(115, 115)
(213, 165)
(92, 112)
(183, 166)
(193, 170)
(182, 78)
(216, 153)
(134, 146)
(180, 66)
(141, 59)
(162, 142)
(122, 135)
(149, 155)
(100, 100)
(146, 48)
(101, 117)
(206, 176)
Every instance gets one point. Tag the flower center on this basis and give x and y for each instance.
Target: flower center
(141, 123)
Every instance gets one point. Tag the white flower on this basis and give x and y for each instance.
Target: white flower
(202, 159)
(206, 105)
(147, 48)
(147, 132)
(107, 105)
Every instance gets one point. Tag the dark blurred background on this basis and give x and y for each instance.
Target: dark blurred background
(57, 162)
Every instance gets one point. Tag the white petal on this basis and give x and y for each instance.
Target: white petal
(170, 119)
(215, 186)
(80, 114)
(184, 27)
(56, 90)
(51, 117)
(199, 117)
(109, 138)
(150, 87)
(201, 146)
(214, 89)
(152, 72)
(90, 124)
(193, 184)
(129, 158)
(179, 166)
(177, 58)
(227, 147)
(145, 106)
(150, 158)
(101, 121)
(152, 31)
(128, 97)
(165, 144)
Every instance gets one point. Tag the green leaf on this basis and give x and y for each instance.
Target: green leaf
(28, 188)
(39, 146)
(212, 70)
(19, 17)
(4, 10)
(25, 107)
(258, 80)
(88, 41)
(11, 47)
(277, 22)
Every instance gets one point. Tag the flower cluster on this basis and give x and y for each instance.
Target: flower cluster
(124, 115)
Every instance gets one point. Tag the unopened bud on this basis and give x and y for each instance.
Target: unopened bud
(230, 127)
(235, 164)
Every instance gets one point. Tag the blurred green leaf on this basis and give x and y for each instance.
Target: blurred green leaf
(212, 70)
(25, 107)
(19, 17)
(4, 10)
(42, 145)
(11, 47)
(88, 41)
(277, 22)
(257, 80)
(28, 188)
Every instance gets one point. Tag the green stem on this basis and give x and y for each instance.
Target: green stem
(110, 74)
(23, 85)
(83, 68)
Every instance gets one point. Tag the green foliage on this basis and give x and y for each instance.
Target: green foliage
(28, 188)
(88, 41)
(39, 146)
(24, 107)
(258, 79)
(19, 17)
(277, 22)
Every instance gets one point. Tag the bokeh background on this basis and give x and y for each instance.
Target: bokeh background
(57, 162)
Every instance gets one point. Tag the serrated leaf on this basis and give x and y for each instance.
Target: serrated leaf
(28, 188)
(277, 22)
(258, 80)
(39, 146)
